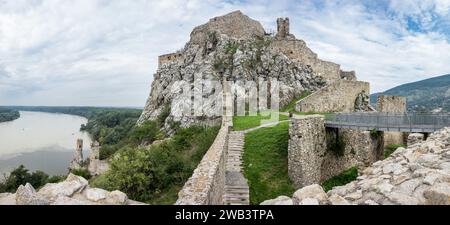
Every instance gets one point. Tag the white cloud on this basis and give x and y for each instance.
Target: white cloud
(104, 52)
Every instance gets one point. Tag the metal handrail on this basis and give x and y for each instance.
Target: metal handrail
(394, 121)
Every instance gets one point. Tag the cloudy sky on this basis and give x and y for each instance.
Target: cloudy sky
(104, 52)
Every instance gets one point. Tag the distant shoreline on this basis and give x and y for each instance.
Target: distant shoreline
(8, 115)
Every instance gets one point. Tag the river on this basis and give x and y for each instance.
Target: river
(41, 141)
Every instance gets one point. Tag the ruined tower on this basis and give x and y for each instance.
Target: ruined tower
(77, 160)
(282, 28)
(94, 158)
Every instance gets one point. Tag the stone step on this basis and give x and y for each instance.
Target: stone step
(239, 192)
(233, 168)
(237, 197)
(234, 165)
(236, 188)
(236, 157)
(227, 187)
(234, 201)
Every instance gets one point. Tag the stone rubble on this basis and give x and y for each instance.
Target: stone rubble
(414, 138)
(417, 175)
(73, 191)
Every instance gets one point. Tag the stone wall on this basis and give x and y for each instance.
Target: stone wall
(392, 104)
(235, 25)
(307, 145)
(310, 159)
(297, 51)
(361, 150)
(339, 96)
(163, 59)
(348, 75)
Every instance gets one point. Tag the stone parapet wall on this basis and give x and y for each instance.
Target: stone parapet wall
(310, 159)
(339, 96)
(348, 75)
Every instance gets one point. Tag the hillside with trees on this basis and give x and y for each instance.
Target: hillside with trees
(8, 115)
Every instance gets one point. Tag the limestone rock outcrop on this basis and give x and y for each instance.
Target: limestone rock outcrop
(73, 191)
(414, 138)
(236, 48)
(417, 175)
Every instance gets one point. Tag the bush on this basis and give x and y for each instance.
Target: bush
(108, 150)
(146, 133)
(156, 174)
(82, 173)
(21, 176)
(336, 144)
(375, 134)
(341, 179)
(56, 179)
(161, 119)
(389, 149)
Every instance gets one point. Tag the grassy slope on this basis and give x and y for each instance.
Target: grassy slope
(247, 122)
(291, 105)
(265, 163)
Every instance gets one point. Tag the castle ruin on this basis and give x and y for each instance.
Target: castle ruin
(282, 28)
(167, 58)
(77, 161)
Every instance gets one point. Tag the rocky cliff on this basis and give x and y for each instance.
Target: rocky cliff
(418, 175)
(236, 48)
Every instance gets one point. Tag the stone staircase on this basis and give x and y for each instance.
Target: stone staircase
(236, 186)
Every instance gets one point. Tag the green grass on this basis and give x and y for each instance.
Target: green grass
(341, 179)
(291, 105)
(389, 149)
(247, 122)
(266, 163)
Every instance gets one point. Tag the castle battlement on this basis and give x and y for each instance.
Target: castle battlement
(163, 59)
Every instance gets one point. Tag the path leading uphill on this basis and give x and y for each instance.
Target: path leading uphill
(236, 186)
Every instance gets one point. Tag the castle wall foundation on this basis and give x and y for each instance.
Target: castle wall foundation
(314, 156)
